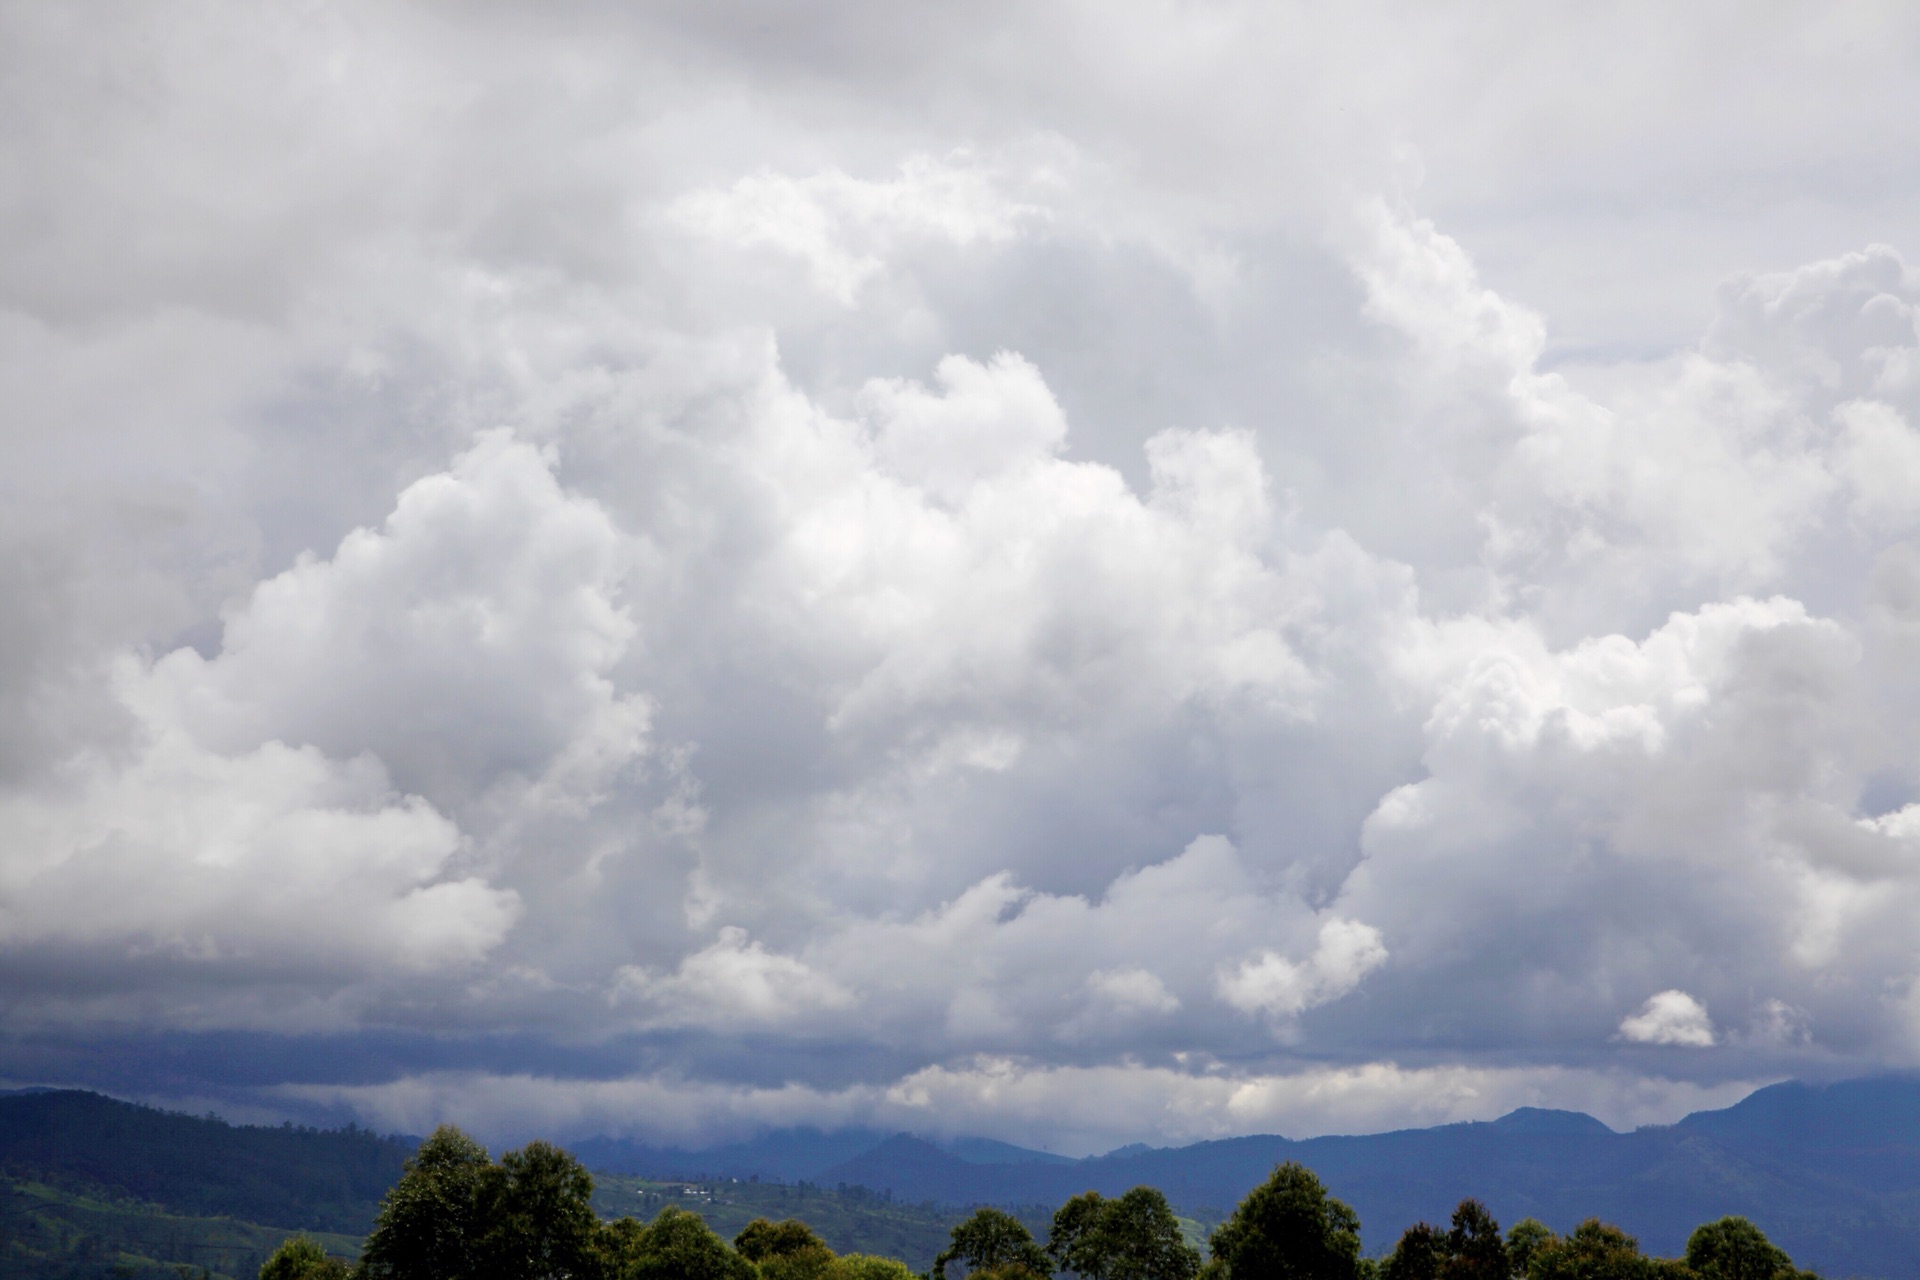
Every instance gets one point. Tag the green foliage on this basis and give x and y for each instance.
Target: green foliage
(1419, 1255)
(1594, 1250)
(50, 1233)
(539, 1220)
(430, 1223)
(1475, 1250)
(302, 1258)
(1289, 1228)
(1470, 1249)
(1134, 1237)
(1735, 1249)
(848, 1220)
(995, 1245)
(327, 1181)
(678, 1245)
(1524, 1239)
(456, 1215)
(762, 1239)
(787, 1250)
(864, 1266)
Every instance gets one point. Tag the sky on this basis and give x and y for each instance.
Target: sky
(1078, 573)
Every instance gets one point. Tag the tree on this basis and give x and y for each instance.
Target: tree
(1735, 1249)
(1525, 1239)
(786, 1250)
(299, 1258)
(430, 1223)
(864, 1266)
(1135, 1237)
(678, 1245)
(1475, 1250)
(1595, 1250)
(540, 1223)
(1421, 1254)
(618, 1245)
(995, 1242)
(1289, 1228)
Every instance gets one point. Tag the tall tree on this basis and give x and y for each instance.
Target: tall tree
(787, 1250)
(1594, 1250)
(1735, 1249)
(1421, 1254)
(540, 1223)
(1475, 1250)
(993, 1241)
(1524, 1239)
(1289, 1228)
(1134, 1237)
(431, 1221)
(678, 1245)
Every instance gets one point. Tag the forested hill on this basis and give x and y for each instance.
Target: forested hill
(1832, 1173)
(325, 1180)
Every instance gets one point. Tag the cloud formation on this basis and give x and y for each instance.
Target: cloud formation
(822, 571)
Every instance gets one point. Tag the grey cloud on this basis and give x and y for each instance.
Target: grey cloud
(816, 568)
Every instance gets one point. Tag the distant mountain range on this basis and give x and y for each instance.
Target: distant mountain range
(1831, 1172)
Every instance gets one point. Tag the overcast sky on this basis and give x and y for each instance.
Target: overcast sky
(1081, 573)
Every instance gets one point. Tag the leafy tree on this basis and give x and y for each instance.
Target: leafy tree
(1421, 1254)
(786, 1250)
(1134, 1237)
(540, 1223)
(431, 1221)
(618, 1245)
(864, 1266)
(678, 1245)
(1470, 1249)
(1524, 1239)
(299, 1258)
(1475, 1250)
(1735, 1249)
(1595, 1250)
(994, 1243)
(1289, 1228)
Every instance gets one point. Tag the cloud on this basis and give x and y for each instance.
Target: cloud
(901, 571)
(841, 227)
(1133, 991)
(1082, 1110)
(1670, 1017)
(734, 982)
(1346, 952)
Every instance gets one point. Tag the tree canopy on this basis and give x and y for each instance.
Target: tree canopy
(996, 1243)
(1289, 1228)
(1133, 1237)
(430, 1224)
(457, 1214)
(1735, 1249)
(301, 1258)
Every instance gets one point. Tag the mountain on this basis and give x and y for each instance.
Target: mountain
(785, 1155)
(1831, 1172)
(289, 1177)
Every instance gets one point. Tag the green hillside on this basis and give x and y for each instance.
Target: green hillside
(324, 1180)
(47, 1233)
